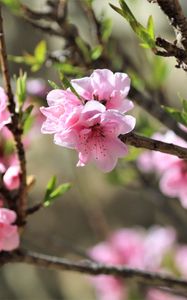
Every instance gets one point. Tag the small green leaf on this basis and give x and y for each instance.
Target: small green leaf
(84, 48)
(140, 30)
(67, 84)
(179, 116)
(106, 29)
(50, 187)
(184, 105)
(69, 69)
(53, 85)
(26, 114)
(40, 52)
(96, 52)
(21, 88)
(150, 27)
(52, 192)
(60, 190)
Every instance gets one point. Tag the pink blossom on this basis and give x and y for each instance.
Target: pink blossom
(11, 177)
(9, 237)
(91, 125)
(133, 248)
(158, 161)
(4, 113)
(107, 287)
(111, 89)
(94, 132)
(171, 170)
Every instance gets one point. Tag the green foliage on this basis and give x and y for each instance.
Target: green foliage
(70, 70)
(106, 29)
(53, 85)
(36, 60)
(146, 35)
(136, 80)
(145, 126)
(179, 115)
(27, 119)
(67, 84)
(159, 71)
(84, 48)
(96, 52)
(21, 88)
(53, 191)
(14, 5)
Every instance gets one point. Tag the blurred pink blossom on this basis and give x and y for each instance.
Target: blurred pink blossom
(9, 237)
(11, 177)
(171, 170)
(134, 248)
(4, 113)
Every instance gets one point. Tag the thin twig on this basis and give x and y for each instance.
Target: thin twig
(143, 142)
(14, 127)
(93, 268)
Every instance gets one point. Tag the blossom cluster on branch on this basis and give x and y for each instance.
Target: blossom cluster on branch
(91, 120)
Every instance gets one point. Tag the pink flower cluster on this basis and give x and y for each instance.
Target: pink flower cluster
(136, 248)
(91, 125)
(171, 170)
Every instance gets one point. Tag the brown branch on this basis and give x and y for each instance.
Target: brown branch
(93, 268)
(14, 127)
(173, 10)
(143, 142)
(151, 106)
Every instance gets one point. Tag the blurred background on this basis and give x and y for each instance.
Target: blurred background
(97, 203)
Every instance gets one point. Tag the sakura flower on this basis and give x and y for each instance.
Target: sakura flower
(11, 177)
(94, 132)
(111, 89)
(4, 113)
(9, 237)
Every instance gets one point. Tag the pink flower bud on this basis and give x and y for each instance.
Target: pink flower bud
(11, 177)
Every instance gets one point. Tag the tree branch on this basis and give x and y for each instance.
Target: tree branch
(93, 268)
(15, 127)
(143, 142)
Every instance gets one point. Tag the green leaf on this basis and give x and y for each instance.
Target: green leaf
(52, 192)
(67, 84)
(106, 29)
(184, 104)
(150, 27)
(40, 52)
(142, 32)
(96, 52)
(14, 5)
(50, 187)
(69, 69)
(21, 88)
(60, 190)
(25, 116)
(84, 48)
(159, 71)
(179, 116)
(53, 85)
